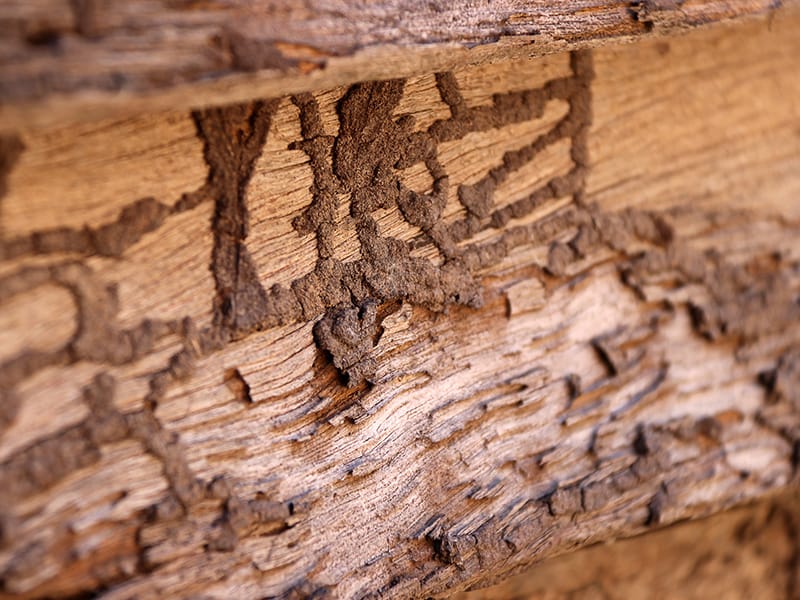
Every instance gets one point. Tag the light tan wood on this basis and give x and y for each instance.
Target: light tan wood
(610, 345)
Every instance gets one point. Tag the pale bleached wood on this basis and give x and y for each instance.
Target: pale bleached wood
(583, 401)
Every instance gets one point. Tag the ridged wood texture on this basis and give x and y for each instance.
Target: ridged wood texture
(398, 338)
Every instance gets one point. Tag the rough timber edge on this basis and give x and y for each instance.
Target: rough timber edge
(368, 63)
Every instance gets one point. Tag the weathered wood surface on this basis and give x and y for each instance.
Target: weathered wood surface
(67, 59)
(403, 337)
(746, 553)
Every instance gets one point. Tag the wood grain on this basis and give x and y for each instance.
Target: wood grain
(403, 337)
(750, 552)
(62, 60)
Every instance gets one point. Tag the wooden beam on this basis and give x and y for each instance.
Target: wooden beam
(401, 337)
(86, 59)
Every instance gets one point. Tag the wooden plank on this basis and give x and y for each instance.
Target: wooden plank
(62, 60)
(402, 337)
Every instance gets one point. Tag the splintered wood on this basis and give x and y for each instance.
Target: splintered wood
(402, 337)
